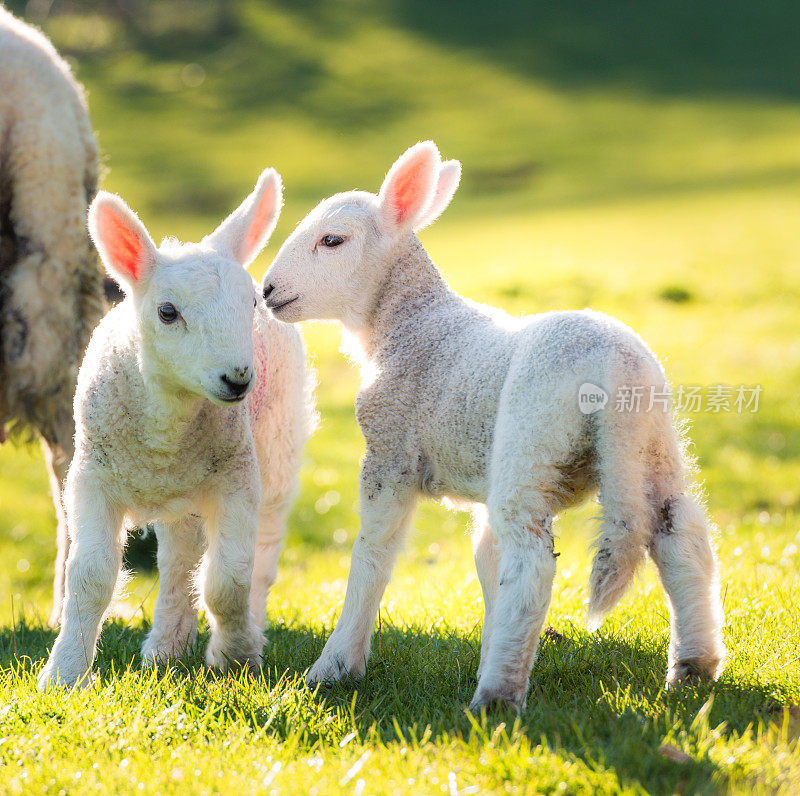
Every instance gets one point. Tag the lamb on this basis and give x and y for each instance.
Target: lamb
(51, 286)
(192, 408)
(461, 401)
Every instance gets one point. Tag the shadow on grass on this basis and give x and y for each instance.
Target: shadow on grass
(703, 47)
(595, 699)
(700, 48)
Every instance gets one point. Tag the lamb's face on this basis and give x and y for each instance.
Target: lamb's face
(194, 303)
(196, 323)
(333, 264)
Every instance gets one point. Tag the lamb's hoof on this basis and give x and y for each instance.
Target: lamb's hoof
(329, 669)
(55, 618)
(488, 698)
(160, 653)
(691, 671)
(246, 653)
(53, 677)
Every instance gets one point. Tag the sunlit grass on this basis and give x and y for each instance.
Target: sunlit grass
(673, 210)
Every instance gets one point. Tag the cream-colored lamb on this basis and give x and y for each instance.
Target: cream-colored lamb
(192, 408)
(460, 400)
(51, 285)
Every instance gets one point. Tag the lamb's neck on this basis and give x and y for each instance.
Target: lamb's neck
(412, 285)
(167, 412)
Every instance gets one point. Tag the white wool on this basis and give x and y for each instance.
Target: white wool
(462, 401)
(197, 425)
(51, 292)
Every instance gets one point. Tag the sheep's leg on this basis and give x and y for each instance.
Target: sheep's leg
(386, 511)
(57, 460)
(525, 580)
(682, 552)
(486, 562)
(271, 527)
(94, 562)
(180, 547)
(226, 574)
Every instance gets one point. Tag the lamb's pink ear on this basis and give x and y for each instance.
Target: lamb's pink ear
(449, 177)
(245, 232)
(125, 245)
(409, 186)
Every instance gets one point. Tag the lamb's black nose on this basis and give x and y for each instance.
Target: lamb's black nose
(236, 386)
(268, 288)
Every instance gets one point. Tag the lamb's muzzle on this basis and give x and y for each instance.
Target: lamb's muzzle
(238, 382)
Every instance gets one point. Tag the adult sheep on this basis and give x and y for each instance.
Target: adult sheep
(51, 285)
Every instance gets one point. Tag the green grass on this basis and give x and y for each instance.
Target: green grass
(642, 161)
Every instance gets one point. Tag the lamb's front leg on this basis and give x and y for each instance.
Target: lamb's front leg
(180, 547)
(93, 566)
(225, 575)
(386, 510)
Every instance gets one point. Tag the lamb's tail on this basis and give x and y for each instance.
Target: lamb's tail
(617, 556)
(640, 463)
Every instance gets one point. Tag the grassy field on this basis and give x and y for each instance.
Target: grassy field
(642, 160)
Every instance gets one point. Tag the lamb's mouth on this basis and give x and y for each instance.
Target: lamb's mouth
(230, 399)
(281, 304)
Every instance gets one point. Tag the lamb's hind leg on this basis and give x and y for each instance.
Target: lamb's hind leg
(525, 493)
(644, 508)
(484, 548)
(682, 551)
(180, 547)
(271, 527)
(525, 580)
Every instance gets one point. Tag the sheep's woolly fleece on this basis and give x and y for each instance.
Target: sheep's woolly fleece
(51, 293)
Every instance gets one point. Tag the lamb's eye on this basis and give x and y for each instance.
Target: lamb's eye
(332, 240)
(167, 313)
(255, 301)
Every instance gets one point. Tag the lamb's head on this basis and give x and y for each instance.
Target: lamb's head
(333, 264)
(192, 304)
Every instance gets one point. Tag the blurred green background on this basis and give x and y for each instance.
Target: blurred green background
(640, 158)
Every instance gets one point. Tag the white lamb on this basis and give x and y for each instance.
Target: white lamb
(164, 434)
(460, 400)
